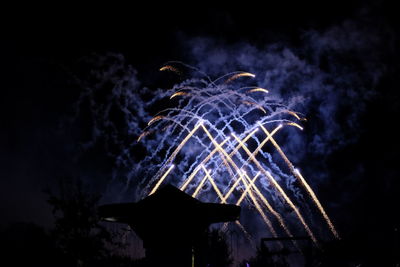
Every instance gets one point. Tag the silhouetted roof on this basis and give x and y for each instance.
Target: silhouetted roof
(168, 210)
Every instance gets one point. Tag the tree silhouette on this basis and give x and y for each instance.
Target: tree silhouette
(81, 238)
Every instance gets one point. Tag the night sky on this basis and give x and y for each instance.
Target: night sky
(43, 53)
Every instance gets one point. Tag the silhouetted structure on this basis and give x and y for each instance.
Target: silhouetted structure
(170, 222)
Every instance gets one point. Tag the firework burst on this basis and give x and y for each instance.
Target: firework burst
(216, 135)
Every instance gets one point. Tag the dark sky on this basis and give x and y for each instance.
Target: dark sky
(41, 48)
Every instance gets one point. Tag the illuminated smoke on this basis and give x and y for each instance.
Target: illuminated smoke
(219, 107)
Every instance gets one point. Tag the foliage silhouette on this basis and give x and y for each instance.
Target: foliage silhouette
(78, 233)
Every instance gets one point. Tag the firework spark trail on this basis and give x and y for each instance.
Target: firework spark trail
(259, 209)
(314, 197)
(246, 191)
(190, 178)
(266, 203)
(239, 156)
(163, 141)
(173, 155)
(245, 162)
(238, 75)
(161, 180)
(280, 190)
(160, 146)
(261, 145)
(235, 150)
(293, 114)
(221, 98)
(218, 97)
(247, 100)
(156, 118)
(165, 137)
(178, 94)
(192, 117)
(271, 209)
(303, 182)
(295, 125)
(224, 155)
(166, 118)
(214, 185)
(266, 155)
(214, 82)
(170, 68)
(225, 225)
(257, 206)
(227, 123)
(254, 104)
(223, 95)
(161, 118)
(143, 135)
(174, 124)
(199, 186)
(258, 89)
(232, 188)
(177, 123)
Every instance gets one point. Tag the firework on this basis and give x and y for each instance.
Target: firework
(222, 124)
(161, 180)
(143, 135)
(245, 192)
(260, 210)
(280, 190)
(268, 205)
(317, 203)
(258, 89)
(156, 118)
(178, 94)
(240, 74)
(199, 186)
(295, 125)
(213, 184)
(303, 182)
(254, 104)
(170, 68)
(186, 183)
